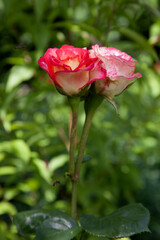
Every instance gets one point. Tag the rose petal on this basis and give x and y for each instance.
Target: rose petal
(72, 82)
(97, 73)
(43, 64)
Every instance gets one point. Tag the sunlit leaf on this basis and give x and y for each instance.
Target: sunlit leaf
(17, 147)
(57, 162)
(21, 149)
(17, 75)
(7, 170)
(42, 169)
(6, 207)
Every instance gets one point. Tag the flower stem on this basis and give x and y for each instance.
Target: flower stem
(91, 104)
(78, 164)
(74, 199)
(82, 144)
(72, 143)
(74, 103)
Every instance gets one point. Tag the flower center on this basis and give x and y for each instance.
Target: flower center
(73, 63)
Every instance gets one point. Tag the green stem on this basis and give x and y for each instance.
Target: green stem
(72, 143)
(74, 200)
(91, 104)
(74, 103)
(82, 144)
(78, 164)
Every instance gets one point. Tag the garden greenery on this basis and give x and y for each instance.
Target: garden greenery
(121, 163)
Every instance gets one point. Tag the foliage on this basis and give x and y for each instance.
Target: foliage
(122, 149)
(48, 224)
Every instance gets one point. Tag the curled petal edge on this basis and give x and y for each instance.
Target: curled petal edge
(43, 64)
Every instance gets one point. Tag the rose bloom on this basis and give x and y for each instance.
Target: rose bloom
(71, 69)
(119, 71)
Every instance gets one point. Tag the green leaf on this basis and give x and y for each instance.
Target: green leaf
(155, 11)
(46, 225)
(140, 39)
(59, 227)
(21, 149)
(17, 75)
(7, 170)
(40, 6)
(28, 221)
(124, 222)
(42, 169)
(57, 162)
(6, 207)
(17, 147)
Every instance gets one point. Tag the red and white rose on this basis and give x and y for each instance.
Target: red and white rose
(71, 69)
(119, 68)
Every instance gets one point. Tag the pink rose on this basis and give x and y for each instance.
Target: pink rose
(71, 69)
(119, 70)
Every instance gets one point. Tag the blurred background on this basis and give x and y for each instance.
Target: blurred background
(123, 150)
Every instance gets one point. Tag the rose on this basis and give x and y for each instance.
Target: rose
(71, 69)
(119, 71)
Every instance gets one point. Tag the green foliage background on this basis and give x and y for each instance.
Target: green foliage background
(124, 153)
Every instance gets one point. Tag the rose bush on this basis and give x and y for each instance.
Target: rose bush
(119, 70)
(71, 69)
